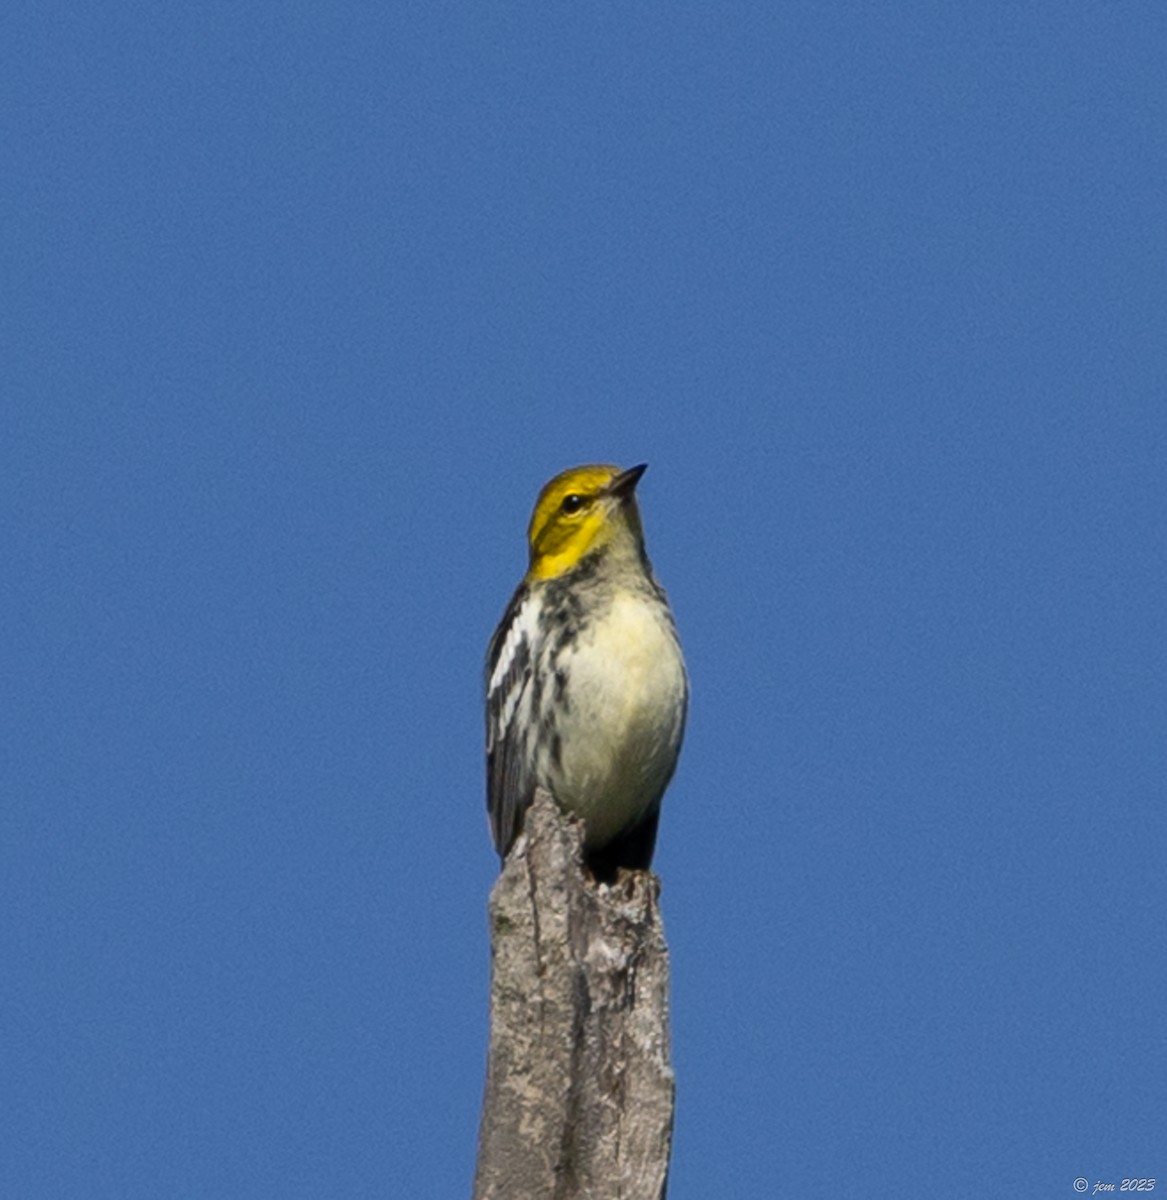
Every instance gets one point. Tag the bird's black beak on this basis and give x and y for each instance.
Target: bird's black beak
(625, 483)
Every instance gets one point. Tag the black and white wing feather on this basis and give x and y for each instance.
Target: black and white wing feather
(509, 668)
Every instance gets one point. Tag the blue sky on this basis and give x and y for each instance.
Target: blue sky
(302, 304)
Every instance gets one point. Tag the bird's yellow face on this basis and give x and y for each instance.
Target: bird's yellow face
(582, 510)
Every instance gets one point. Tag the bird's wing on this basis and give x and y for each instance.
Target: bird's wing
(509, 666)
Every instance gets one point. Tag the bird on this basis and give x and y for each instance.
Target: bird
(587, 693)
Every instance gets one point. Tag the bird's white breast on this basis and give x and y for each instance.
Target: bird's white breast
(626, 693)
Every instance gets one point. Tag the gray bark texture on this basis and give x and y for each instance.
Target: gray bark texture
(579, 1090)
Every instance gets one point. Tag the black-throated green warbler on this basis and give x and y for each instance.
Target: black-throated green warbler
(586, 692)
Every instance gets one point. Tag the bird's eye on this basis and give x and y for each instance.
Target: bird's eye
(572, 503)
